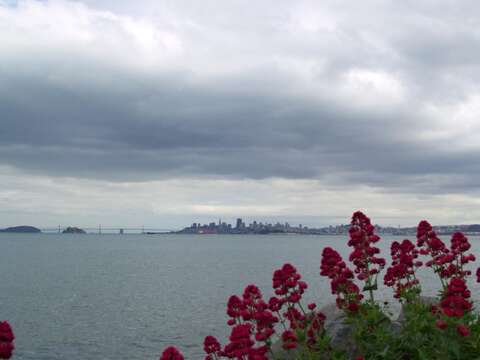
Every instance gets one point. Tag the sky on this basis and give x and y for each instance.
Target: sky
(162, 113)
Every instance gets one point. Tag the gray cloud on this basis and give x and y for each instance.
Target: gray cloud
(342, 94)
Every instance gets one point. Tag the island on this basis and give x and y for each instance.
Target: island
(21, 229)
(73, 230)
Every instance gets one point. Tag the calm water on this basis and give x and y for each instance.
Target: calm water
(126, 297)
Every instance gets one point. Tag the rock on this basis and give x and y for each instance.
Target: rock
(21, 229)
(73, 230)
(339, 331)
(336, 328)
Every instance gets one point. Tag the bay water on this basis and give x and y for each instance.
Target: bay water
(120, 297)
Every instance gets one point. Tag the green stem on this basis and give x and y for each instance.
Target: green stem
(282, 321)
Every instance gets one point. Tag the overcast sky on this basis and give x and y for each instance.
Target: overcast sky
(161, 113)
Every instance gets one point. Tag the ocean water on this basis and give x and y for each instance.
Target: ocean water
(119, 297)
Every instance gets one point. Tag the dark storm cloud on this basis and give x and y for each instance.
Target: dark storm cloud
(68, 112)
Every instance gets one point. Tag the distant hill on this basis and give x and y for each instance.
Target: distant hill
(73, 230)
(21, 229)
(473, 228)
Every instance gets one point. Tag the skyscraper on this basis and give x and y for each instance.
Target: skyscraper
(239, 223)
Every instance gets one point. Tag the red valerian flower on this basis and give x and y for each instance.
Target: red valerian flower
(289, 340)
(362, 236)
(342, 285)
(6, 340)
(275, 304)
(6, 350)
(463, 330)
(242, 345)
(401, 274)
(289, 289)
(295, 317)
(430, 244)
(441, 324)
(234, 308)
(171, 353)
(211, 345)
(316, 327)
(287, 284)
(454, 303)
(332, 263)
(252, 309)
(458, 248)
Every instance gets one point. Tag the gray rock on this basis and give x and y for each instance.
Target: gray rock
(336, 328)
(339, 331)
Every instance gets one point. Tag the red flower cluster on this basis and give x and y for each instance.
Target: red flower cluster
(253, 320)
(289, 340)
(6, 340)
(441, 324)
(171, 353)
(430, 244)
(251, 307)
(463, 330)
(455, 303)
(401, 274)
(448, 263)
(342, 285)
(316, 327)
(362, 236)
(459, 247)
(289, 289)
(241, 344)
(212, 348)
(287, 284)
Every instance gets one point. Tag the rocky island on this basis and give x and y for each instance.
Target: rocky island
(73, 230)
(21, 229)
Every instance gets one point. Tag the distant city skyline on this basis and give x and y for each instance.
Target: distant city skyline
(159, 112)
(240, 226)
(233, 223)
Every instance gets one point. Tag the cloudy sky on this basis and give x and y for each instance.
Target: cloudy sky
(161, 113)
